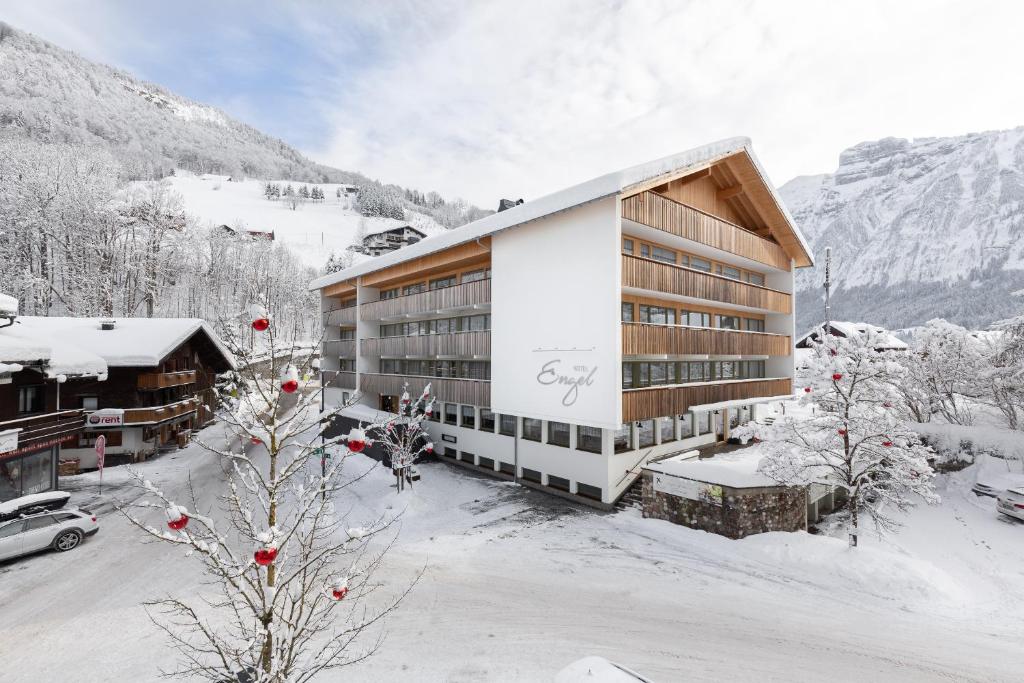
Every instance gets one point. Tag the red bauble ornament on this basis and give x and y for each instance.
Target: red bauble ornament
(339, 593)
(265, 556)
(837, 376)
(807, 390)
(887, 405)
(179, 523)
(256, 440)
(887, 444)
(832, 351)
(429, 448)
(356, 446)
(842, 432)
(260, 324)
(289, 386)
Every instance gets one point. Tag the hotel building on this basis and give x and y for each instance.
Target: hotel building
(572, 338)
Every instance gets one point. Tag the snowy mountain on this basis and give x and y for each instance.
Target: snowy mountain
(919, 229)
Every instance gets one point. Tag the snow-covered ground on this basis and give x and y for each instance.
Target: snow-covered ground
(519, 584)
(314, 229)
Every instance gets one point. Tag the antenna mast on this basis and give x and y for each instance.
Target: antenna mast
(828, 290)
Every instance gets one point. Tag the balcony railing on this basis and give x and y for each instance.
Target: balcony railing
(670, 216)
(457, 345)
(151, 381)
(644, 404)
(337, 379)
(643, 273)
(642, 339)
(152, 415)
(475, 392)
(466, 295)
(340, 348)
(41, 431)
(342, 316)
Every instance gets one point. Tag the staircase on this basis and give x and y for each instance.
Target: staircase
(632, 497)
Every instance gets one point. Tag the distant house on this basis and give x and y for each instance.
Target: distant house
(383, 241)
(216, 178)
(259, 234)
(886, 340)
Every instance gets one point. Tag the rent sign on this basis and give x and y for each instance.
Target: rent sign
(104, 419)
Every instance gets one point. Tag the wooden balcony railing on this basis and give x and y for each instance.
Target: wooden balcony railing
(465, 295)
(160, 413)
(151, 381)
(337, 379)
(644, 404)
(41, 431)
(340, 348)
(457, 345)
(670, 216)
(475, 392)
(343, 316)
(643, 273)
(642, 339)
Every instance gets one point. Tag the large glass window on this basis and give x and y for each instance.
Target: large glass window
(666, 255)
(667, 427)
(624, 438)
(451, 414)
(627, 312)
(30, 399)
(588, 439)
(507, 426)
(346, 334)
(698, 263)
(727, 322)
(388, 293)
(443, 282)
(695, 319)
(486, 420)
(558, 434)
(531, 429)
(36, 473)
(728, 271)
(414, 289)
(754, 325)
(627, 246)
(657, 315)
(646, 433)
(469, 417)
(686, 426)
(755, 279)
(475, 275)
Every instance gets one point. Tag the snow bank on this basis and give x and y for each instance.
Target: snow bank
(596, 670)
(737, 469)
(953, 440)
(8, 305)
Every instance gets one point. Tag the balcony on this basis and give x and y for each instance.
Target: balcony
(662, 213)
(466, 295)
(475, 392)
(643, 273)
(340, 348)
(155, 414)
(455, 345)
(336, 379)
(641, 339)
(42, 431)
(644, 404)
(151, 381)
(342, 317)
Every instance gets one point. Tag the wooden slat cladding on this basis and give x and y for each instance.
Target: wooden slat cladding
(340, 348)
(459, 296)
(662, 213)
(644, 404)
(160, 413)
(664, 277)
(469, 391)
(148, 381)
(342, 316)
(640, 339)
(456, 345)
(462, 255)
(339, 380)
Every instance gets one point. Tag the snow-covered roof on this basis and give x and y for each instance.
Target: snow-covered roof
(400, 228)
(887, 340)
(8, 305)
(21, 345)
(134, 342)
(598, 188)
(736, 469)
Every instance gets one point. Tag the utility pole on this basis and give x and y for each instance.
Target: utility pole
(828, 290)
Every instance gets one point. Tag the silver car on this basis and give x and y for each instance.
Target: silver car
(1011, 503)
(60, 530)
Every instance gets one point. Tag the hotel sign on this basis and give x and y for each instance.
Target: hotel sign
(571, 379)
(104, 419)
(9, 440)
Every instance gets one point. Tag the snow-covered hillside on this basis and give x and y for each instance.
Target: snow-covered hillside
(919, 229)
(313, 230)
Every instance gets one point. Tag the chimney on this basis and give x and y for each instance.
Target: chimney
(508, 204)
(107, 324)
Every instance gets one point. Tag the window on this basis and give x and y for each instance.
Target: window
(531, 475)
(469, 417)
(507, 426)
(727, 322)
(389, 293)
(657, 315)
(588, 439)
(346, 334)
(627, 376)
(10, 529)
(347, 365)
(560, 483)
(531, 429)
(666, 255)
(686, 426)
(646, 433)
(37, 471)
(624, 438)
(443, 282)
(700, 264)
(694, 319)
(90, 402)
(467, 457)
(627, 312)
(486, 420)
(728, 271)
(627, 246)
(588, 491)
(754, 325)
(667, 429)
(413, 289)
(645, 251)
(450, 413)
(755, 279)
(475, 275)
(40, 522)
(30, 399)
(558, 434)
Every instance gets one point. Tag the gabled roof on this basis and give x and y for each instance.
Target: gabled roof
(401, 228)
(134, 342)
(886, 339)
(21, 346)
(608, 185)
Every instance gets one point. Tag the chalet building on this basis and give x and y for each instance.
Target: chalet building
(571, 339)
(385, 241)
(886, 340)
(36, 418)
(159, 383)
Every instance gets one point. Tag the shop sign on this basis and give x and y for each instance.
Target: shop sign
(9, 440)
(104, 419)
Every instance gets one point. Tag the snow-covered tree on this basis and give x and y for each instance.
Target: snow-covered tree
(378, 200)
(850, 435)
(291, 573)
(268, 191)
(403, 438)
(304, 192)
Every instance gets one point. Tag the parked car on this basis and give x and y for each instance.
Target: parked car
(981, 489)
(1011, 503)
(32, 503)
(61, 530)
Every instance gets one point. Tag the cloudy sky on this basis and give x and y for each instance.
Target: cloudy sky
(490, 99)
